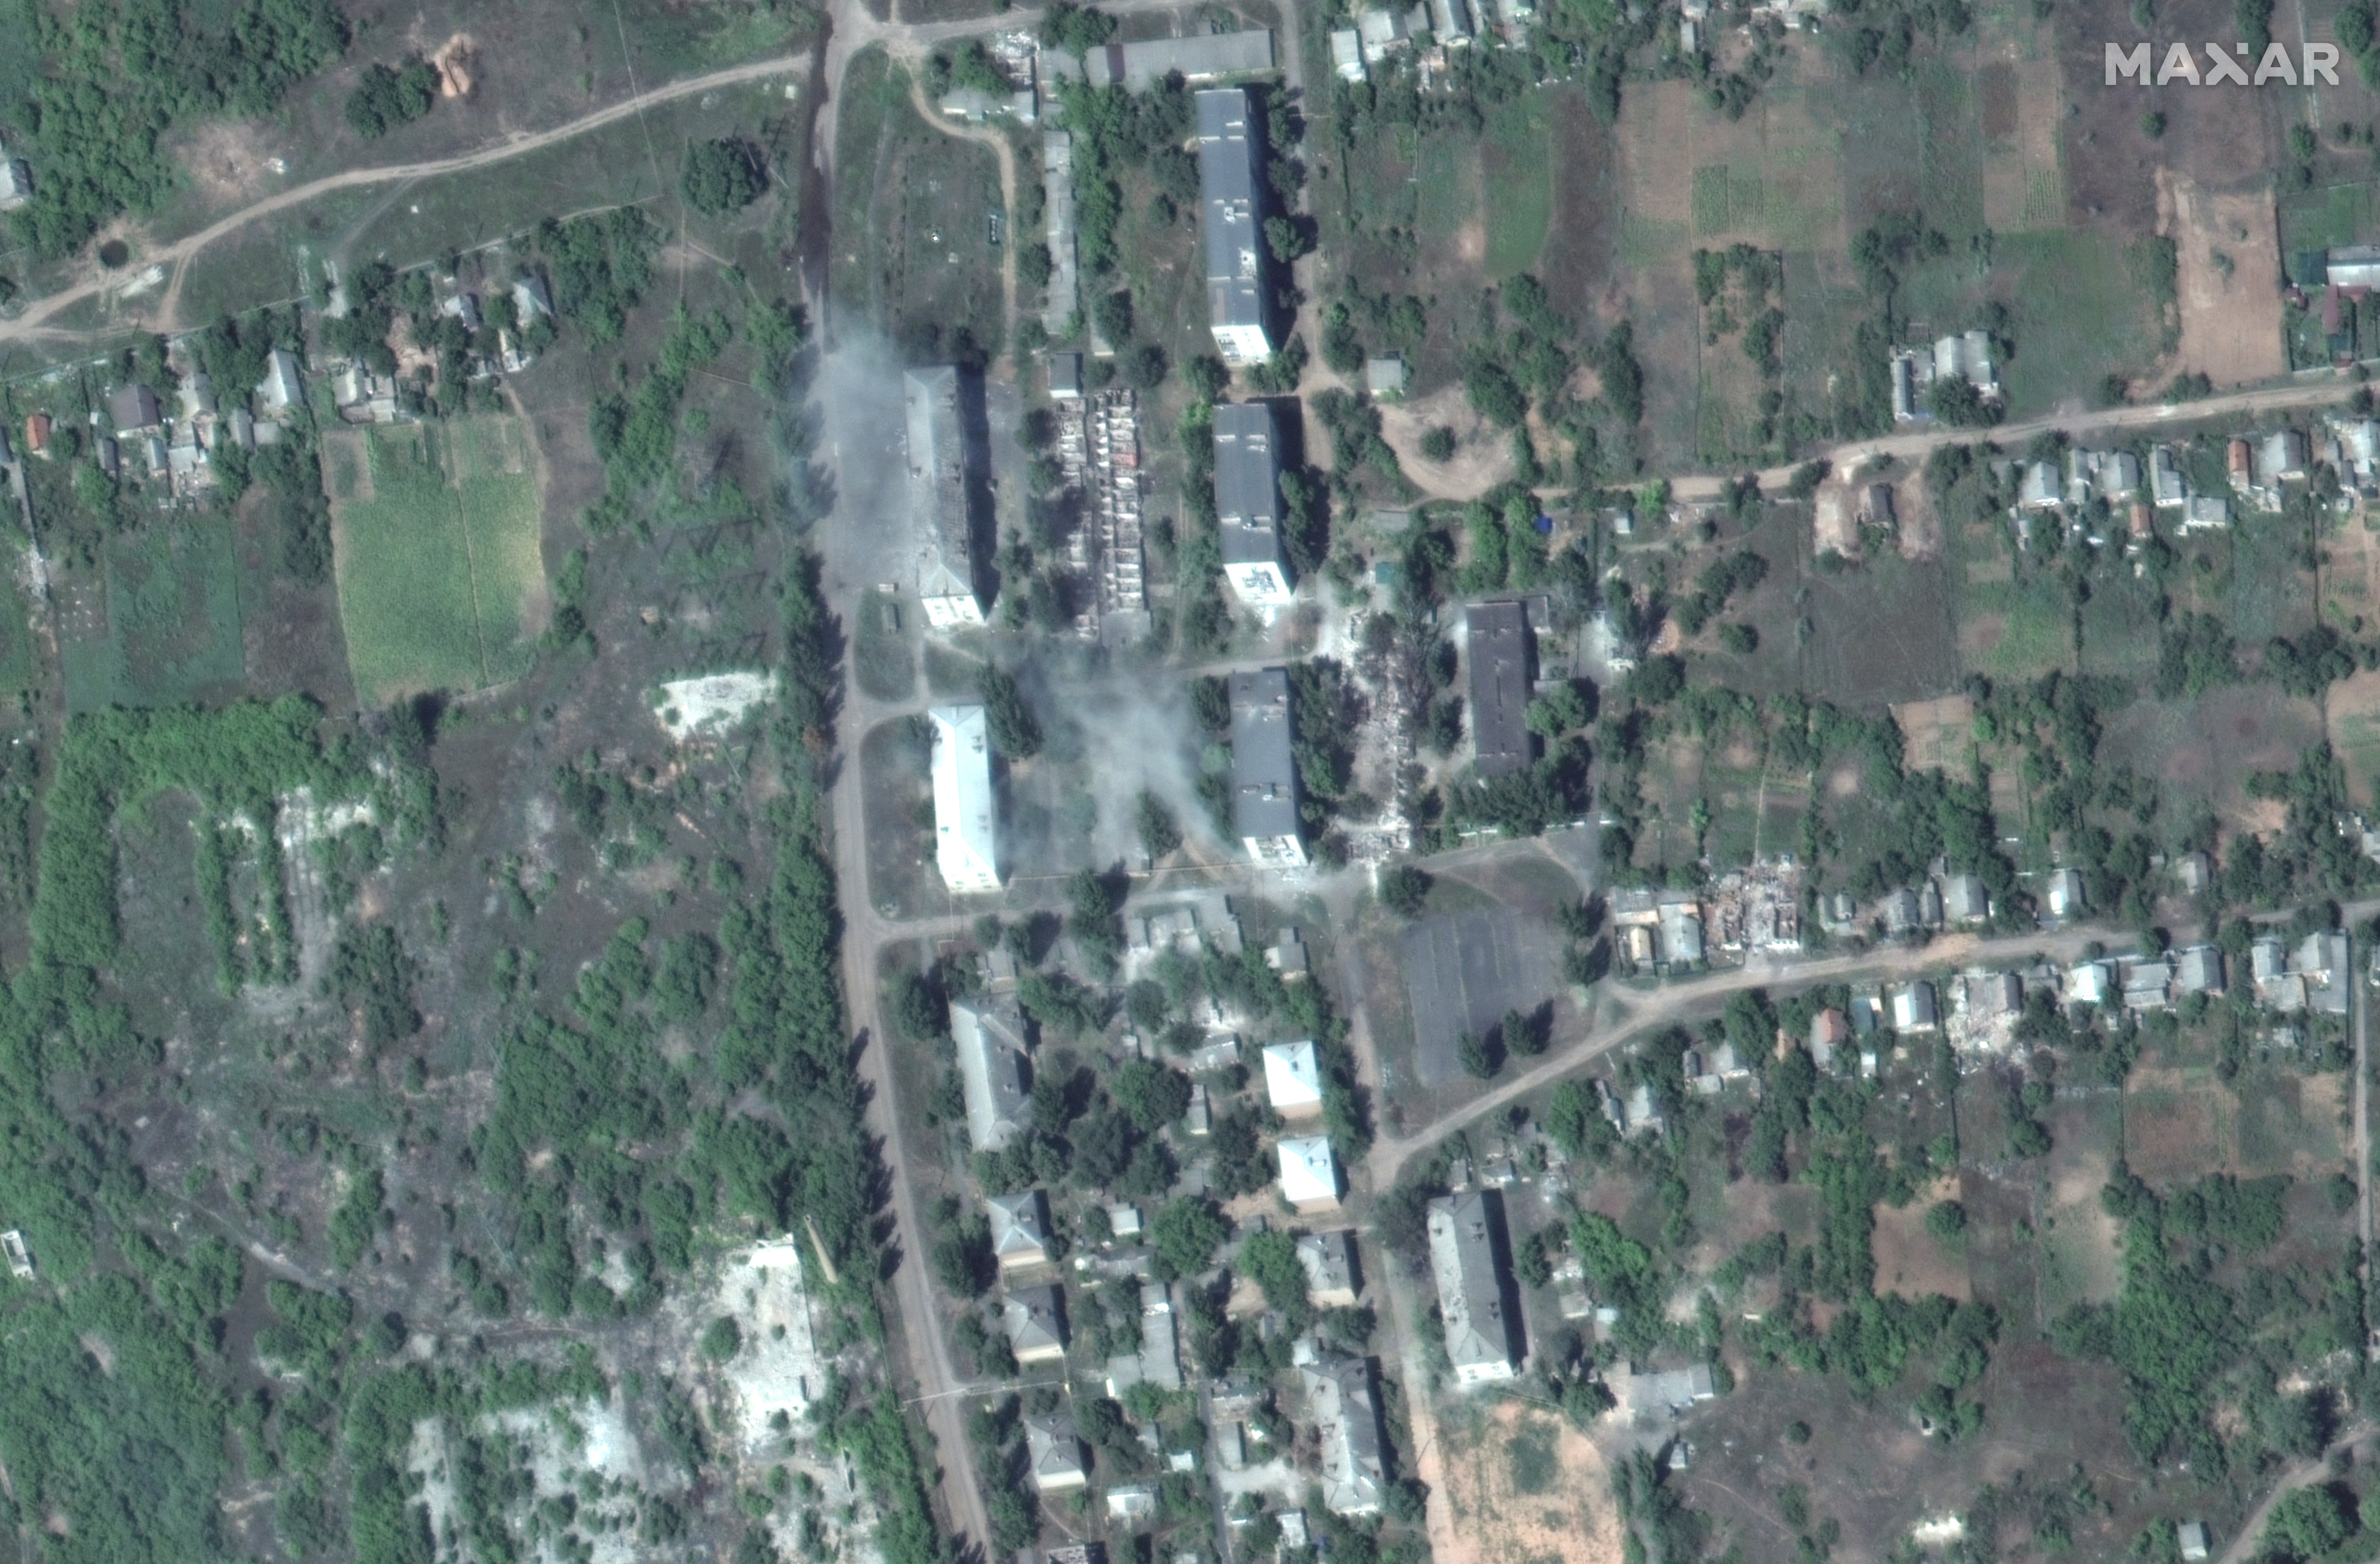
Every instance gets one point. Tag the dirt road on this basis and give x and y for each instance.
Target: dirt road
(2245, 1546)
(1667, 1006)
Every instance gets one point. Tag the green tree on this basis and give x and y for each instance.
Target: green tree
(721, 1339)
(1186, 1235)
(1016, 732)
(2306, 1524)
(386, 100)
(722, 175)
(1269, 1259)
(1160, 833)
(1404, 889)
(1472, 1054)
(1437, 444)
(1946, 1220)
(1151, 1094)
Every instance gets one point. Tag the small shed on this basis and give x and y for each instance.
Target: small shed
(1385, 376)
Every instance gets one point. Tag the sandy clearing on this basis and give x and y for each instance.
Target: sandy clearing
(1492, 1519)
(2230, 281)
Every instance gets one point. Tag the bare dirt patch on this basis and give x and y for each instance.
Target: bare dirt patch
(1482, 457)
(1908, 1260)
(1920, 522)
(1834, 525)
(1524, 1489)
(1935, 732)
(2177, 1123)
(454, 62)
(227, 160)
(2231, 280)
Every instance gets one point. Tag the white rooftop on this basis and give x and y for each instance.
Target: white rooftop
(966, 847)
(1293, 1078)
(1309, 1170)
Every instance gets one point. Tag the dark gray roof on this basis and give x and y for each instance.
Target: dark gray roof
(1234, 208)
(1338, 1391)
(1247, 482)
(1035, 1318)
(990, 1037)
(945, 463)
(1264, 764)
(1499, 686)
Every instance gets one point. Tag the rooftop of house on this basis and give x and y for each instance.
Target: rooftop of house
(1497, 637)
(1293, 1076)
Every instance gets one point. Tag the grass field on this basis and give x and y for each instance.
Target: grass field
(440, 574)
(172, 627)
(912, 247)
(1519, 184)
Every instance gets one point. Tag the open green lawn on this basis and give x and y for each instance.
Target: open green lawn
(439, 568)
(173, 621)
(1520, 182)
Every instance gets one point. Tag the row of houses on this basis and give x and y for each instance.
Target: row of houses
(1916, 370)
(1381, 32)
(175, 447)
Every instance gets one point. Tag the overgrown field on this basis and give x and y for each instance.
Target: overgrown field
(436, 539)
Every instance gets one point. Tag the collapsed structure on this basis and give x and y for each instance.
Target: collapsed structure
(946, 469)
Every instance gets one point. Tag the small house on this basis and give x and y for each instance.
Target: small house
(2065, 898)
(1964, 901)
(1912, 1008)
(2087, 983)
(1309, 1173)
(1020, 1228)
(282, 388)
(1384, 377)
(1830, 1030)
(1293, 1079)
(1034, 1319)
(2199, 971)
(37, 435)
(1328, 1259)
(2191, 1538)
(1054, 1453)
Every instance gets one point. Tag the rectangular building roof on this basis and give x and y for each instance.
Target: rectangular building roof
(990, 1035)
(1264, 762)
(1293, 1078)
(1309, 1170)
(1247, 483)
(967, 847)
(1206, 56)
(1339, 1393)
(1470, 1284)
(1499, 637)
(942, 463)
(1234, 207)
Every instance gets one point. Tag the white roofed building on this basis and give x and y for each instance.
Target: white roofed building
(1309, 1173)
(966, 841)
(1293, 1079)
